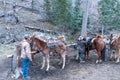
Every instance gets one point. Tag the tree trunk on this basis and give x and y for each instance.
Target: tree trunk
(85, 18)
(4, 7)
(102, 31)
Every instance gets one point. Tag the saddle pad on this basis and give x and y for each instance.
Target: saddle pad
(53, 45)
(90, 41)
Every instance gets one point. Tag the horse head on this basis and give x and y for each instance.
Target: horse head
(37, 43)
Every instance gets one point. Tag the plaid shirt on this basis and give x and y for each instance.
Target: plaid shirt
(25, 50)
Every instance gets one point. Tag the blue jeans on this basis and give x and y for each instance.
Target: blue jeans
(81, 55)
(104, 54)
(25, 66)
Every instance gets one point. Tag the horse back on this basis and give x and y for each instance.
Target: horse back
(99, 43)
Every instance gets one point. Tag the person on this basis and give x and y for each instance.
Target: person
(25, 57)
(81, 48)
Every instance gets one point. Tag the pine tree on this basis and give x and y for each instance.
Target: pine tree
(76, 17)
(109, 13)
(62, 14)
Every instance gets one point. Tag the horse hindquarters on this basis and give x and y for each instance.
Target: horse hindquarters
(100, 47)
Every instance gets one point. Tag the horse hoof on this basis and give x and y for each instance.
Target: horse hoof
(76, 59)
(13, 76)
(82, 61)
(110, 59)
(33, 64)
(59, 63)
(97, 61)
(47, 70)
(100, 61)
(62, 67)
(114, 59)
(41, 68)
(117, 62)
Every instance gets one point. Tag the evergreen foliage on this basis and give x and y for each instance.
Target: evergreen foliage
(109, 11)
(62, 14)
(76, 17)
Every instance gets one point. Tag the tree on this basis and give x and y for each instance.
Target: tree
(47, 8)
(85, 19)
(58, 12)
(109, 11)
(62, 14)
(76, 17)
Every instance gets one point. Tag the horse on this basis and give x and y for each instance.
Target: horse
(42, 46)
(115, 45)
(99, 45)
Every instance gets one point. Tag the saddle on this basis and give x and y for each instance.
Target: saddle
(90, 41)
(52, 43)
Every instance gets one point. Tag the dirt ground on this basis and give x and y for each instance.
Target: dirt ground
(73, 70)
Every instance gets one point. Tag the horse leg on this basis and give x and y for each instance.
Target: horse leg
(118, 56)
(86, 55)
(111, 54)
(33, 58)
(77, 55)
(63, 59)
(43, 63)
(60, 61)
(99, 57)
(115, 55)
(48, 62)
(33, 55)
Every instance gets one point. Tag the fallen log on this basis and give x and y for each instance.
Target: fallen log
(11, 55)
(41, 30)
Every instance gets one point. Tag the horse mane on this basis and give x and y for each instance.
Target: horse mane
(98, 36)
(40, 41)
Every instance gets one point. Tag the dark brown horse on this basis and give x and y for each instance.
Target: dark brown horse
(99, 45)
(42, 46)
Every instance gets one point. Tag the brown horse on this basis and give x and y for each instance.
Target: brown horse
(115, 45)
(42, 46)
(99, 45)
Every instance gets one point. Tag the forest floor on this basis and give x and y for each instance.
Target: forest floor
(73, 70)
